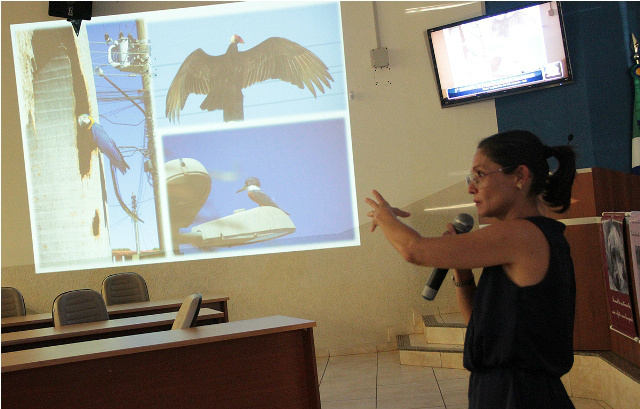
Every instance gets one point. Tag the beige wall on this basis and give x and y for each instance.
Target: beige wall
(404, 145)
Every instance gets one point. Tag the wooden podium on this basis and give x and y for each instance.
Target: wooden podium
(595, 191)
(259, 363)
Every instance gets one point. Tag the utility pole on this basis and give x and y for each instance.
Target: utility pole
(153, 164)
(134, 209)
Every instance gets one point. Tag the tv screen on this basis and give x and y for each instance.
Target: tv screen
(183, 134)
(495, 55)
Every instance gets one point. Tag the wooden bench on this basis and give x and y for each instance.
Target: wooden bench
(41, 337)
(45, 320)
(260, 363)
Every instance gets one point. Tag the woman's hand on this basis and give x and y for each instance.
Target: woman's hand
(382, 210)
(450, 230)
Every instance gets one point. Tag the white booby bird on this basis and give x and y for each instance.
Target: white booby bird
(255, 193)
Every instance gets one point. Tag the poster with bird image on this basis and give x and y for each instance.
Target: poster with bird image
(614, 267)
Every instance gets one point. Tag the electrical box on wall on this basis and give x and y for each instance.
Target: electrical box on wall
(380, 57)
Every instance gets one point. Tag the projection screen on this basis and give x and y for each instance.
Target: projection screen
(203, 132)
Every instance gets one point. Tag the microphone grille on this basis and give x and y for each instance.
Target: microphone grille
(463, 223)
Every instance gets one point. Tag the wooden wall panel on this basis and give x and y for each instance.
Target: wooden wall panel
(270, 371)
(591, 331)
(615, 191)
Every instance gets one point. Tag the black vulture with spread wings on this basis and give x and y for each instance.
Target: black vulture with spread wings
(222, 77)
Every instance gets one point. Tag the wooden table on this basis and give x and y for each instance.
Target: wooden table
(45, 320)
(41, 337)
(260, 363)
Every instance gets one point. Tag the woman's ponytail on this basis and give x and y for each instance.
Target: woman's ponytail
(557, 192)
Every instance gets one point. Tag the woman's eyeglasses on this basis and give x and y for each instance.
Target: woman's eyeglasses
(476, 177)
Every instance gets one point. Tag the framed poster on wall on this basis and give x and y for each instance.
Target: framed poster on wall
(616, 276)
(634, 245)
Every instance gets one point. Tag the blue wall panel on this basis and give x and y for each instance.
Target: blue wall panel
(597, 108)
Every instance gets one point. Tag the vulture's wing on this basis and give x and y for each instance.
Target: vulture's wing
(195, 76)
(282, 59)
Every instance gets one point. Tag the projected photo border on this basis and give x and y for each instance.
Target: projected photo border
(138, 149)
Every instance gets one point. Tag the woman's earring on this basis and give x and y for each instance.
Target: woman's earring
(519, 185)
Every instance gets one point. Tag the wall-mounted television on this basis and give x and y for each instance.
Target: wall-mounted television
(519, 50)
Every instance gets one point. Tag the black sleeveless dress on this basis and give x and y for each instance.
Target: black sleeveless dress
(519, 340)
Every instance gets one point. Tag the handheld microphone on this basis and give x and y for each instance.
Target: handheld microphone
(463, 223)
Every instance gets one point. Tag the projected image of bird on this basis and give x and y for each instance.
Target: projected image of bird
(222, 77)
(255, 193)
(108, 147)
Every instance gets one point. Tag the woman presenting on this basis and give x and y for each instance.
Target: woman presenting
(520, 316)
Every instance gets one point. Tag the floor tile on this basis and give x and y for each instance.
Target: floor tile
(420, 358)
(447, 373)
(407, 389)
(349, 381)
(371, 359)
(379, 381)
(584, 383)
(407, 377)
(453, 385)
(455, 398)
(388, 398)
(353, 392)
(350, 404)
(402, 374)
(581, 403)
(321, 364)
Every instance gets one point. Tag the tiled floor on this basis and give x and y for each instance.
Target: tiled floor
(370, 381)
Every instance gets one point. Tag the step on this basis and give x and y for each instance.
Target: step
(602, 376)
(442, 334)
(413, 343)
(591, 370)
(452, 320)
(444, 329)
(414, 350)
